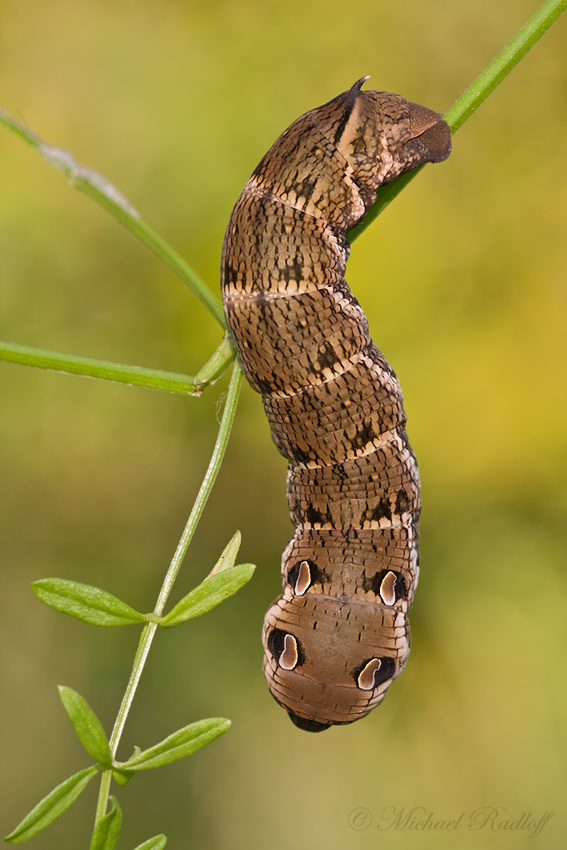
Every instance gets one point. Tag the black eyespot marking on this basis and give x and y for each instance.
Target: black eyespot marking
(316, 576)
(374, 672)
(276, 642)
(388, 585)
(286, 649)
(303, 578)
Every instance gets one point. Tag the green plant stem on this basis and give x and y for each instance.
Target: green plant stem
(103, 795)
(138, 376)
(149, 630)
(100, 190)
(134, 375)
(206, 487)
(472, 98)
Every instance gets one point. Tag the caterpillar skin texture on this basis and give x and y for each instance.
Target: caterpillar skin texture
(338, 635)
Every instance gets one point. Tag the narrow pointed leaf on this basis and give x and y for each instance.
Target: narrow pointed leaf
(107, 830)
(156, 843)
(52, 806)
(87, 603)
(228, 557)
(87, 725)
(182, 743)
(210, 593)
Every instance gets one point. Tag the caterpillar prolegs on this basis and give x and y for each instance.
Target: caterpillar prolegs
(338, 635)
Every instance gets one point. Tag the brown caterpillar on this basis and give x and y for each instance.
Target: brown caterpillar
(338, 635)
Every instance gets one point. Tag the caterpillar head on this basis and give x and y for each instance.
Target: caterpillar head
(382, 135)
(330, 161)
(429, 137)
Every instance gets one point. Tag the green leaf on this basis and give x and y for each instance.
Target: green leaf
(107, 830)
(122, 777)
(228, 557)
(90, 604)
(87, 726)
(210, 593)
(182, 743)
(156, 843)
(52, 806)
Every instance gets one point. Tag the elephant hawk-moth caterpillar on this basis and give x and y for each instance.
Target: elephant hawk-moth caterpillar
(338, 635)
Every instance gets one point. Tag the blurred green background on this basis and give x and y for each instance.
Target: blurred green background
(464, 281)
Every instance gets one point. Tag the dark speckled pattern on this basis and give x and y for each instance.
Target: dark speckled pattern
(334, 404)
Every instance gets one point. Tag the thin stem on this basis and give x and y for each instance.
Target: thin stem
(149, 630)
(71, 363)
(96, 187)
(206, 487)
(104, 793)
(476, 93)
(138, 376)
(144, 645)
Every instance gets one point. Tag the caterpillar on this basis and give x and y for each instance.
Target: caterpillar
(338, 635)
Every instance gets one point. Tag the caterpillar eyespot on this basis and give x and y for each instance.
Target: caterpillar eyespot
(338, 635)
(300, 577)
(284, 649)
(388, 588)
(374, 672)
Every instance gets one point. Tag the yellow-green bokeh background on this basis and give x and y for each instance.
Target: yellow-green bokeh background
(464, 281)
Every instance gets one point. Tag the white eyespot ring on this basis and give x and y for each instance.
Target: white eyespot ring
(303, 578)
(366, 676)
(388, 588)
(289, 657)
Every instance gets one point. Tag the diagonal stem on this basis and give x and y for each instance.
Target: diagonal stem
(100, 190)
(149, 630)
